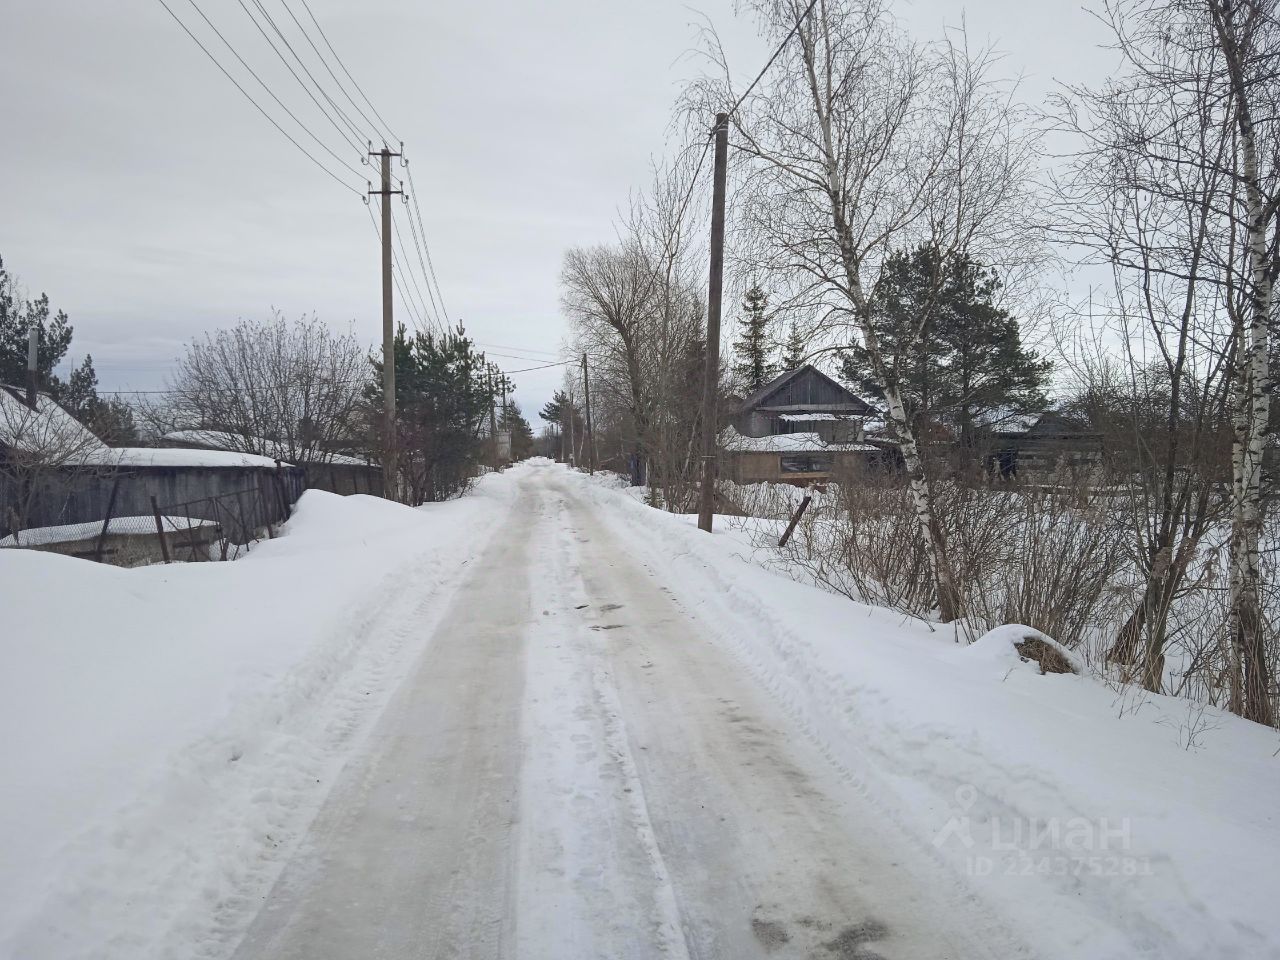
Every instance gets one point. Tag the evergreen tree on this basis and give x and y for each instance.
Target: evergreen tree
(112, 420)
(553, 411)
(754, 368)
(17, 316)
(443, 397)
(964, 356)
(521, 433)
(793, 351)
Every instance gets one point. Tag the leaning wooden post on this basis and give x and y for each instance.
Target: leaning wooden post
(164, 546)
(786, 534)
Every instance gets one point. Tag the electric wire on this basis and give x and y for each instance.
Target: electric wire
(395, 276)
(412, 276)
(325, 63)
(354, 144)
(413, 197)
(776, 53)
(325, 38)
(426, 277)
(257, 106)
(359, 134)
(235, 53)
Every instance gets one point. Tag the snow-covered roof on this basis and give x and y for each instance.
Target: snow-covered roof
(47, 431)
(1005, 420)
(70, 532)
(733, 441)
(815, 417)
(179, 457)
(223, 440)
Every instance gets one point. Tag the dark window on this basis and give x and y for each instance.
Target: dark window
(801, 463)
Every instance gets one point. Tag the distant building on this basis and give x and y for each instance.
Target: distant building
(800, 427)
(324, 469)
(1034, 446)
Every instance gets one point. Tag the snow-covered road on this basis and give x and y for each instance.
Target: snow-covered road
(574, 769)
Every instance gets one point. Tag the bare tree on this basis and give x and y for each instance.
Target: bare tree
(44, 454)
(1158, 223)
(1176, 188)
(866, 142)
(1248, 36)
(636, 312)
(283, 389)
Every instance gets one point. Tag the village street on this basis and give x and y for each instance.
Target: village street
(573, 770)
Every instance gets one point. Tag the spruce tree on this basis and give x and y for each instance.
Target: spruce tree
(17, 316)
(754, 367)
(793, 351)
(959, 353)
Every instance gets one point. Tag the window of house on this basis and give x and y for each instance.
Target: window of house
(805, 463)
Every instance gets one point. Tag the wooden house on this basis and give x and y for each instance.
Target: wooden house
(801, 427)
(1041, 445)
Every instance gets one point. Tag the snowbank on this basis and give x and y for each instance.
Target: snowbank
(1109, 824)
(170, 730)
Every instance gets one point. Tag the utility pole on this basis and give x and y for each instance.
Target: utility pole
(569, 406)
(711, 376)
(33, 366)
(591, 433)
(389, 474)
(493, 421)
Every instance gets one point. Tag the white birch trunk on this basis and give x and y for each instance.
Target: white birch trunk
(1250, 421)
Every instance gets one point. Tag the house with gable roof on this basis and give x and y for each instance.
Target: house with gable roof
(801, 427)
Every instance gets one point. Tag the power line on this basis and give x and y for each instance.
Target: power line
(354, 144)
(412, 277)
(426, 276)
(395, 276)
(503, 346)
(413, 197)
(325, 38)
(325, 63)
(777, 53)
(255, 103)
(508, 356)
(359, 134)
(324, 146)
(543, 367)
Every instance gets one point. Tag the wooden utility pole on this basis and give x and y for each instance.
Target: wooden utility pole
(493, 421)
(569, 407)
(33, 365)
(389, 484)
(591, 433)
(711, 375)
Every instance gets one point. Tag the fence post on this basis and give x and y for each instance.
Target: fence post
(804, 505)
(282, 496)
(191, 539)
(106, 521)
(266, 510)
(164, 546)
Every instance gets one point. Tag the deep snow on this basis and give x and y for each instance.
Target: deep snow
(168, 728)
(173, 730)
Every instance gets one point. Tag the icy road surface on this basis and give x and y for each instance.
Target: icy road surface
(573, 770)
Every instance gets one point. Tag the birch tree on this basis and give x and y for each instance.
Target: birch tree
(1248, 37)
(864, 142)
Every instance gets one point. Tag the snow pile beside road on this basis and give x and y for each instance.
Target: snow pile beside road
(1108, 824)
(171, 730)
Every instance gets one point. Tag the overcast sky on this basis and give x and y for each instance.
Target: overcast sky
(152, 202)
